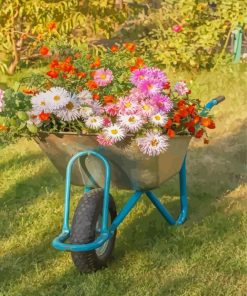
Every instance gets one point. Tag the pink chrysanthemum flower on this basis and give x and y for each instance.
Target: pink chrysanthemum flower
(150, 87)
(181, 88)
(111, 109)
(136, 95)
(106, 121)
(153, 143)
(127, 106)
(158, 75)
(147, 108)
(163, 103)
(102, 140)
(103, 76)
(138, 75)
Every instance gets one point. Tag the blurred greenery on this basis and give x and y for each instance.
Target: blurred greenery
(200, 42)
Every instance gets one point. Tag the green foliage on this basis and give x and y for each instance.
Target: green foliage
(204, 35)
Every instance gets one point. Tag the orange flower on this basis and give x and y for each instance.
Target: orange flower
(40, 36)
(191, 109)
(168, 123)
(139, 62)
(29, 91)
(91, 84)
(88, 56)
(114, 48)
(92, 74)
(24, 36)
(44, 50)
(77, 55)
(181, 103)
(206, 121)
(109, 99)
(171, 133)
(44, 116)
(3, 128)
(196, 119)
(52, 74)
(96, 97)
(211, 125)
(130, 46)
(81, 74)
(96, 63)
(183, 112)
(52, 25)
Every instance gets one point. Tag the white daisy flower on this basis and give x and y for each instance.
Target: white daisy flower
(39, 103)
(85, 111)
(97, 107)
(159, 119)
(114, 133)
(85, 95)
(153, 143)
(70, 111)
(147, 109)
(57, 97)
(131, 122)
(94, 122)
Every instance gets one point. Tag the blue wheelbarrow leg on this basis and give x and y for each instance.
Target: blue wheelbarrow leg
(183, 200)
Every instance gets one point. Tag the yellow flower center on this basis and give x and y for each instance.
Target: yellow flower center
(42, 103)
(56, 98)
(150, 87)
(146, 107)
(69, 106)
(102, 76)
(114, 131)
(157, 117)
(132, 119)
(154, 142)
(127, 104)
(93, 120)
(141, 77)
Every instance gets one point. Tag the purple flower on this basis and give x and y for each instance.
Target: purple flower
(138, 75)
(163, 103)
(181, 88)
(150, 87)
(1, 100)
(103, 76)
(158, 75)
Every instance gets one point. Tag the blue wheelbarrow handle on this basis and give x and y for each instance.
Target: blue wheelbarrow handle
(214, 102)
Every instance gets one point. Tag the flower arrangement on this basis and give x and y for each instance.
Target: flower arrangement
(112, 93)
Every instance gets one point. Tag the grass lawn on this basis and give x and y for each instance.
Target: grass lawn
(205, 256)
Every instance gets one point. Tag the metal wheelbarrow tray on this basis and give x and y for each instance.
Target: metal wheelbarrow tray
(130, 168)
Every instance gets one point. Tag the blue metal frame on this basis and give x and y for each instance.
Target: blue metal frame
(107, 232)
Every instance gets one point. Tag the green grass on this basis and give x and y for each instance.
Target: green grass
(205, 256)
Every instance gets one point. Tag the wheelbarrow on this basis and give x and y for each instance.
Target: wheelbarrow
(83, 162)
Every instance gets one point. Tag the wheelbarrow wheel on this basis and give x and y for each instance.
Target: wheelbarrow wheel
(86, 225)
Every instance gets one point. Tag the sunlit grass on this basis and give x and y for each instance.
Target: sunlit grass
(205, 256)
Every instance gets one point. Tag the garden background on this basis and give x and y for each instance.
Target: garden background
(191, 40)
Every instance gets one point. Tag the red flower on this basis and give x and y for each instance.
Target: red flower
(91, 84)
(54, 64)
(199, 134)
(133, 68)
(176, 118)
(171, 133)
(192, 130)
(196, 119)
(168, 123)
(211, 125)
(130, 46)
(52, 25)
(108, 99)
(81, 74)
(114, 48)
(52, 74)
(183, 112)
(44, 50)
(181, 103)
(96, 97)
(177, 28)
(167, 85)
(191, 109)
(44, 116)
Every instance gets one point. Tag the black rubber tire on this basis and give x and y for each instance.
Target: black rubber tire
(83, 231)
